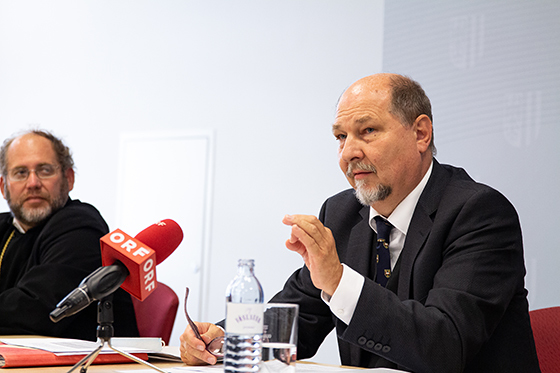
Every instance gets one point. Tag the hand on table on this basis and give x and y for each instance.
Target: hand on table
(193, 350)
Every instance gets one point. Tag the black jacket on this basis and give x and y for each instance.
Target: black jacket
(456, 301)
(39, 268)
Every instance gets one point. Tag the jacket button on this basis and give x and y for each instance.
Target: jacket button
(362, 341)
(386, 349)
(378, 347)
(370, 344)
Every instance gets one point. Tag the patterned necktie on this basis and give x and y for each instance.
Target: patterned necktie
(383, 257)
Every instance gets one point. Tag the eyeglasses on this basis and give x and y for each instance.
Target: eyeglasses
(44, 171)
(216, 346)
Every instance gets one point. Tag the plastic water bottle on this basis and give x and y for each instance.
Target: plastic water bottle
(244, 320)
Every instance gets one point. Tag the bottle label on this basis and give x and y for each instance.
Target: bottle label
(243, 318)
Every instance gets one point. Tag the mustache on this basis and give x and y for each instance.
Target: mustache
(32, 195)
(359, 166)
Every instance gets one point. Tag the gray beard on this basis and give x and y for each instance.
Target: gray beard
(34, 216)
(368, 196)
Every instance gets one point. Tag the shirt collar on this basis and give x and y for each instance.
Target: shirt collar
(402, 215)
(18, 226)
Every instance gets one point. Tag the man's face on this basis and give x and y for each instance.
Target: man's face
(33, 200)
(378, 155)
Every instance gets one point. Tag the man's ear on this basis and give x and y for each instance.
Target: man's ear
(70, 177)
(423, 127)
(2, 181)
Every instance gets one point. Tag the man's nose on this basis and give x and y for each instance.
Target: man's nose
(352, 150)
(33, 181)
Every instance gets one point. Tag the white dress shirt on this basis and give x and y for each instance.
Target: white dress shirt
(345, 298)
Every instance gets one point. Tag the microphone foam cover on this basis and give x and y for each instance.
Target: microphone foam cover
(163, 237)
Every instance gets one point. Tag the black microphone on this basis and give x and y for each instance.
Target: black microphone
(102, 282)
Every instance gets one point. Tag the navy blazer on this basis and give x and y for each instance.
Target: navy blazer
(456, 301)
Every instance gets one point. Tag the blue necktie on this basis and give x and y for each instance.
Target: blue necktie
(383, 256)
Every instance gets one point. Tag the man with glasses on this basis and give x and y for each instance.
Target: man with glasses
(48, 242)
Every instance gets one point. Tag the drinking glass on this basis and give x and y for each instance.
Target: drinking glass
(279, 343)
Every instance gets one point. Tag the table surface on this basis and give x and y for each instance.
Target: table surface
(134, 366)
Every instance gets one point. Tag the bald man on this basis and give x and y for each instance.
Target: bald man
(440, 290)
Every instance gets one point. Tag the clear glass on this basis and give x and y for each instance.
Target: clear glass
(244, 320)
(279, 343)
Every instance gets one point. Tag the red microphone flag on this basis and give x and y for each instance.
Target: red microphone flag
(139, 259)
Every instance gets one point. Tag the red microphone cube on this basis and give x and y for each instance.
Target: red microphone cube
(139, 259)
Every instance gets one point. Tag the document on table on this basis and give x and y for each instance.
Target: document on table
(300, 368)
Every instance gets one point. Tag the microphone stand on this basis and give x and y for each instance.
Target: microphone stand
(105, 332)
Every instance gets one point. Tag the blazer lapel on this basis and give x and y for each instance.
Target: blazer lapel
(420, 226)
(417, 233)
(360, 244)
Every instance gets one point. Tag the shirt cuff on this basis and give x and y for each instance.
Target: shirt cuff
(345, 298)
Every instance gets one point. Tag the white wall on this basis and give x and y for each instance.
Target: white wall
(263, 75)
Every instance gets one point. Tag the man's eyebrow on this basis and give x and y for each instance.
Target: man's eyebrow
(364, 119)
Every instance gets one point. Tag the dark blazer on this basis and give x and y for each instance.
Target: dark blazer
(456, 301)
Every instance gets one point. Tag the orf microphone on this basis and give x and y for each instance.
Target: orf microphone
(137, 254)
(127, 261)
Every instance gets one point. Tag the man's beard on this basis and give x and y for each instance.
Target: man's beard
(367, 195)
(35, 215)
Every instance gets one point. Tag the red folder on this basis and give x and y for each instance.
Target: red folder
(16, 356)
